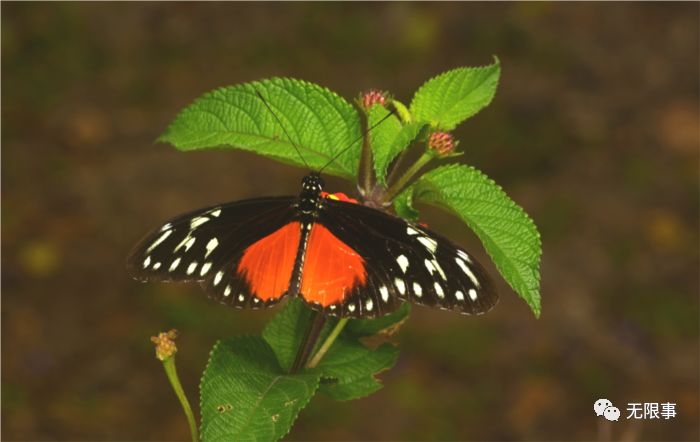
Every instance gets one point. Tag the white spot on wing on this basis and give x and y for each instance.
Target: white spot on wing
(411, 231)
(464, 256)
(160, 239)
(187, 242)
(459, 295)
(205, 268)
(429, 265)
(174, 264)
(241, 297)
(217, 278)
(472, 294)
(417, 289)
(398, 282)
(215, 212)
(191, 267)
(351, 307)
(465, 268)
(156, 266)
(369, 305)
(211, 245)
(384, 292)
(227, 290)
(429, 243)
(146, 262)
(403, 262)
(166, 227)
(439, 291)
(439, 269)
(198, 221)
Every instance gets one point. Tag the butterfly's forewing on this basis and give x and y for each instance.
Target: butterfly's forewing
(407, 262)
(207, 245)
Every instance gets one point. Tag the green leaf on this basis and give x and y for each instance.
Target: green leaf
(452, 97)
(403, 205)
(402, 111)
(368, 327)
(347, 391)
(319, 122)
(508, 234)
(354, 366)
(349, 368)
(286, 329)
(389, 138)
(245, 395)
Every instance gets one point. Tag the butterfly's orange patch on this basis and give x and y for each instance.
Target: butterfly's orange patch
(267, 264)
(331, 268)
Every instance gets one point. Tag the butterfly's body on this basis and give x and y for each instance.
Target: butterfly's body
(340, 257)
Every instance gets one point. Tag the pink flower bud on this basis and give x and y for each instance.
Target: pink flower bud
(443, 143)
(372, 97)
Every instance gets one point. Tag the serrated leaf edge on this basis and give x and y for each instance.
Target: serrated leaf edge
(249, 87)
(421, 90)
(301, 405)
(536, 308)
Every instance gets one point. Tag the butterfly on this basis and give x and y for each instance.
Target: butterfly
(340, 257)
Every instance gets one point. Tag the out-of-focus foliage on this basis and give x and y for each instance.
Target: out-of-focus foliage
(594, 131)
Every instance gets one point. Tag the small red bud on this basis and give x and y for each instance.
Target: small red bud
(443, 143)
(372, 97)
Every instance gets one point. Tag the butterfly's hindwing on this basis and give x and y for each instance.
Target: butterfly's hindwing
(409, 262)
(259, 274)
(337, 279)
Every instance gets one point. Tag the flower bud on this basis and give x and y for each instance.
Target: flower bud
(443, 143)
(165, 344)
(372, 97)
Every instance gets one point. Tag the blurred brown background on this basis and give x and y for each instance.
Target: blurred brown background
(594, 131)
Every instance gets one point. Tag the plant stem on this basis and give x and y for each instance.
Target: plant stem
(396, 167)
(406, 177)
(327, 343)
(171, 372)
(308, 343)
(366, 172)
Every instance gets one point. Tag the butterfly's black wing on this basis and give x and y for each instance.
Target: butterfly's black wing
(408, 262)
(205, 246)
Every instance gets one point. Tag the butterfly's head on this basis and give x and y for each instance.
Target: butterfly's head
(310, 197)
(312, 183)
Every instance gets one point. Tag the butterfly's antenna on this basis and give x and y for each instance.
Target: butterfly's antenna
(282, 126)
(356, 140)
